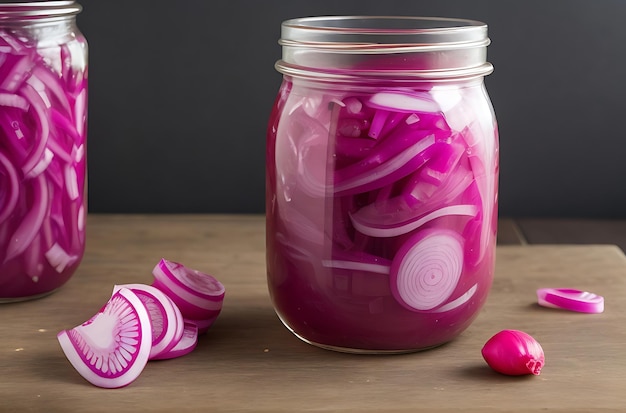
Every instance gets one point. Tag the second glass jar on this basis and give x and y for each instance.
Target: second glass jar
(43, 115)
(382, 172)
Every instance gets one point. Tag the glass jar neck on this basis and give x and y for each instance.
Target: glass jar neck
(342, 47)
(37, 10)
(49, 13)
(42, 22)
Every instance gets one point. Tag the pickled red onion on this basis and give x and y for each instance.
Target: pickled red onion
(12, 191)
(404, 101)
(459, 301)
(352, 180)
(45, 150)
(13, 100)
(59, 258)
(358, 261)
(570, 299)
(42, 130)
(404, 228)
(30, 225)
(425, 271)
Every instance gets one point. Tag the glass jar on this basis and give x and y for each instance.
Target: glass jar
(382, 170)
(43, 109)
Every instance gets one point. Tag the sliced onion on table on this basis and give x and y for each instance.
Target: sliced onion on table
(571, 299)
(167, 321)
(112, 348)
(137, 324)
(199, 296)
(426, 269)
(186, 345)
(202, 325)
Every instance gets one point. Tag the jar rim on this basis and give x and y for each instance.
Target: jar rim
(345, 48)
(39, 9)
(348, 34)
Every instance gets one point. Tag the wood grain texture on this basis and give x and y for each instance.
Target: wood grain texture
(249, 362)
(509, 232)
(573, 231)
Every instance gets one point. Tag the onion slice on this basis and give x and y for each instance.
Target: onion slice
(42, 130)
(58, 257)
(406, 227)
(404, 101)
(167, 321)
(112, 348)
(458, 302)
(570, 299)
(358, 178)
(11, 194)
(198, 295)
(426, 269)
(31, 223)
(358, 261)
(202, 325)
(186, 345)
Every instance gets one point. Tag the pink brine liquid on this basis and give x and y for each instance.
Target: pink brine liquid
(381, 212)
(43, 110)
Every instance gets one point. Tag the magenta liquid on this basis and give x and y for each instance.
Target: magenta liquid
(335, 269)
(43, 111)
(382, 181)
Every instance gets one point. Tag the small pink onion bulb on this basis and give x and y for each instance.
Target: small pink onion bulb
(514, 353)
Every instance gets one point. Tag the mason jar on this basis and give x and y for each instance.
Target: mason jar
(43, 110)
(381, 181)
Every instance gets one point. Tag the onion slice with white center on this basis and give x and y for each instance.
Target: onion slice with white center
(426, 269)
(112, 348)
(571, 299)
(167, 321)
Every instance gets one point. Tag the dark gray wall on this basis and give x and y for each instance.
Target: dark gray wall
(180, 94)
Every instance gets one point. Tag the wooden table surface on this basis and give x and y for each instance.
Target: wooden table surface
(249, 362)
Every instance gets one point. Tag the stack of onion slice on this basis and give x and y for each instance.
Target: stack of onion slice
(140, 323)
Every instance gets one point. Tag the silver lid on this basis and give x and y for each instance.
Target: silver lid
(38, 9)
(398, 46)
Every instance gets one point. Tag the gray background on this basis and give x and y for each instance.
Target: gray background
(180, 95)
